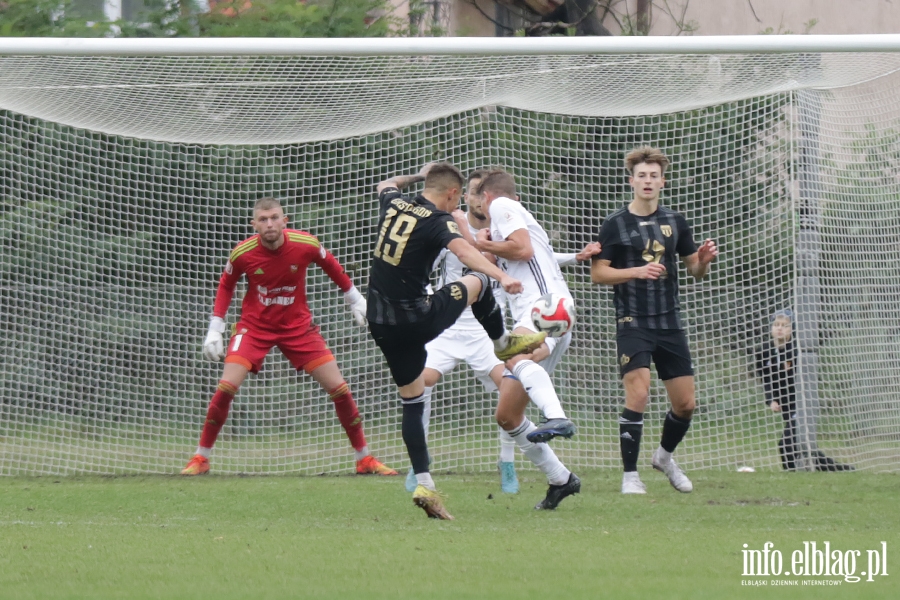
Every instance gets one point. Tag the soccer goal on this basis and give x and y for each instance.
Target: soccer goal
(129, 168)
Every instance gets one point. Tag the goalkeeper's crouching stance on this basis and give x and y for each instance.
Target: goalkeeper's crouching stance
(274, 313)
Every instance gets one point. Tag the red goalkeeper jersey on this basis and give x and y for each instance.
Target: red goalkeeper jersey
(276, 292)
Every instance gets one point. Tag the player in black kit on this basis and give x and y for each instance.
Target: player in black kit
(403, 317)
(641, 243)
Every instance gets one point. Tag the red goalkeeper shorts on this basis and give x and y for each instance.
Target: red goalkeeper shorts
(305, 349)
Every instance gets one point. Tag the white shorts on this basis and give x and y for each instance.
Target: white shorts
(456, 346)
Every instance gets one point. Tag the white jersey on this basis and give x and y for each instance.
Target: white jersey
(449, 268)
(541, 274)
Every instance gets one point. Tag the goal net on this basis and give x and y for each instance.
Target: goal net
(128, 176)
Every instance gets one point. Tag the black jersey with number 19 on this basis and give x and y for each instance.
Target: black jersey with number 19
(629, 240)
(411, 234)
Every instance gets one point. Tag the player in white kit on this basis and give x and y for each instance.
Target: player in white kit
(523, 250)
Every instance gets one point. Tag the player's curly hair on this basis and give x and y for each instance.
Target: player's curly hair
(647, 155)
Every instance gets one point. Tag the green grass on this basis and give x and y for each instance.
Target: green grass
(361, 537)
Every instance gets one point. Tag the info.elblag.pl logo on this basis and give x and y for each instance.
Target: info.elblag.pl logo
(812, 560)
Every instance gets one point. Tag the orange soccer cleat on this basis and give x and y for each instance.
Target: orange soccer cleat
(369, 465)
(198, 465)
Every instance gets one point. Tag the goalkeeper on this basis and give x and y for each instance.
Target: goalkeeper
(274, 312)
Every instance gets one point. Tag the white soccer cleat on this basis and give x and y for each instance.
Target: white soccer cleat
(632, 484)
(676, 476)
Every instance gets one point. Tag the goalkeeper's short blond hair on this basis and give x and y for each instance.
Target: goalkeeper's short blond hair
(267, 203)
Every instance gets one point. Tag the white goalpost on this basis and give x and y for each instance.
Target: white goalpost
(129, 168)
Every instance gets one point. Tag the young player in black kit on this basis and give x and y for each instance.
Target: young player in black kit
(641, 243)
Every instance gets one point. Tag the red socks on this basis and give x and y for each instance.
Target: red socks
(344, 405)
(217, 413)
(348, 415)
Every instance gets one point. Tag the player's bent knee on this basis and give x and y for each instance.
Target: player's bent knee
(684, 409)
(508, 420)
(473, 285)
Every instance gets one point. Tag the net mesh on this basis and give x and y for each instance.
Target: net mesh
(126, 182)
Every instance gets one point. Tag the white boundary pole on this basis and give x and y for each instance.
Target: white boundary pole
(713, 44)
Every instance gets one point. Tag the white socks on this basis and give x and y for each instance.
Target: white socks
(663, 455)
(537, 384)
(424, 479)
(541, 455)
(204, 452)
(426, 410)
(501, 342)
(507, 447)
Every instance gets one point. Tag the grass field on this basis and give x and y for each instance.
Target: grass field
(361, 537)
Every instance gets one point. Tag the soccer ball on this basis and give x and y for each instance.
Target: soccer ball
(553, 314)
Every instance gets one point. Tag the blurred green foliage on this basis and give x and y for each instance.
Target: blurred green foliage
(182, 18)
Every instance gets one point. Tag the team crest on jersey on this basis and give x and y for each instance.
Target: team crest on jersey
(294, 268)
(666, 230)
(453, 227)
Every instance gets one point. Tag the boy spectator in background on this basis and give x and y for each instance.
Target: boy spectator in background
(776, 363)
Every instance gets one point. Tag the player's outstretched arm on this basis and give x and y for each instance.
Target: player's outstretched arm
(402, 182)
(472, 258)
(592, 249)
(338, 275)
(567, 260)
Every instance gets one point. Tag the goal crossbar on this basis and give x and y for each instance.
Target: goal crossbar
(469, 46)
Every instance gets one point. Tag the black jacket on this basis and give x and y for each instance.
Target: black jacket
(777, 367)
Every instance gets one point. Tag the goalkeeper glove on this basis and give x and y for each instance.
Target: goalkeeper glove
(357, 305)
(214, 345)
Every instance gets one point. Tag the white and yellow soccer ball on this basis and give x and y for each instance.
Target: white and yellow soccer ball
(553, 314)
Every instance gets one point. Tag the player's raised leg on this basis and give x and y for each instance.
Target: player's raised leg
(488, 313)
(533, 371)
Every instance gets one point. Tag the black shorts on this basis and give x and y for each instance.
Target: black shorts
(668, 348)
(403, 345)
